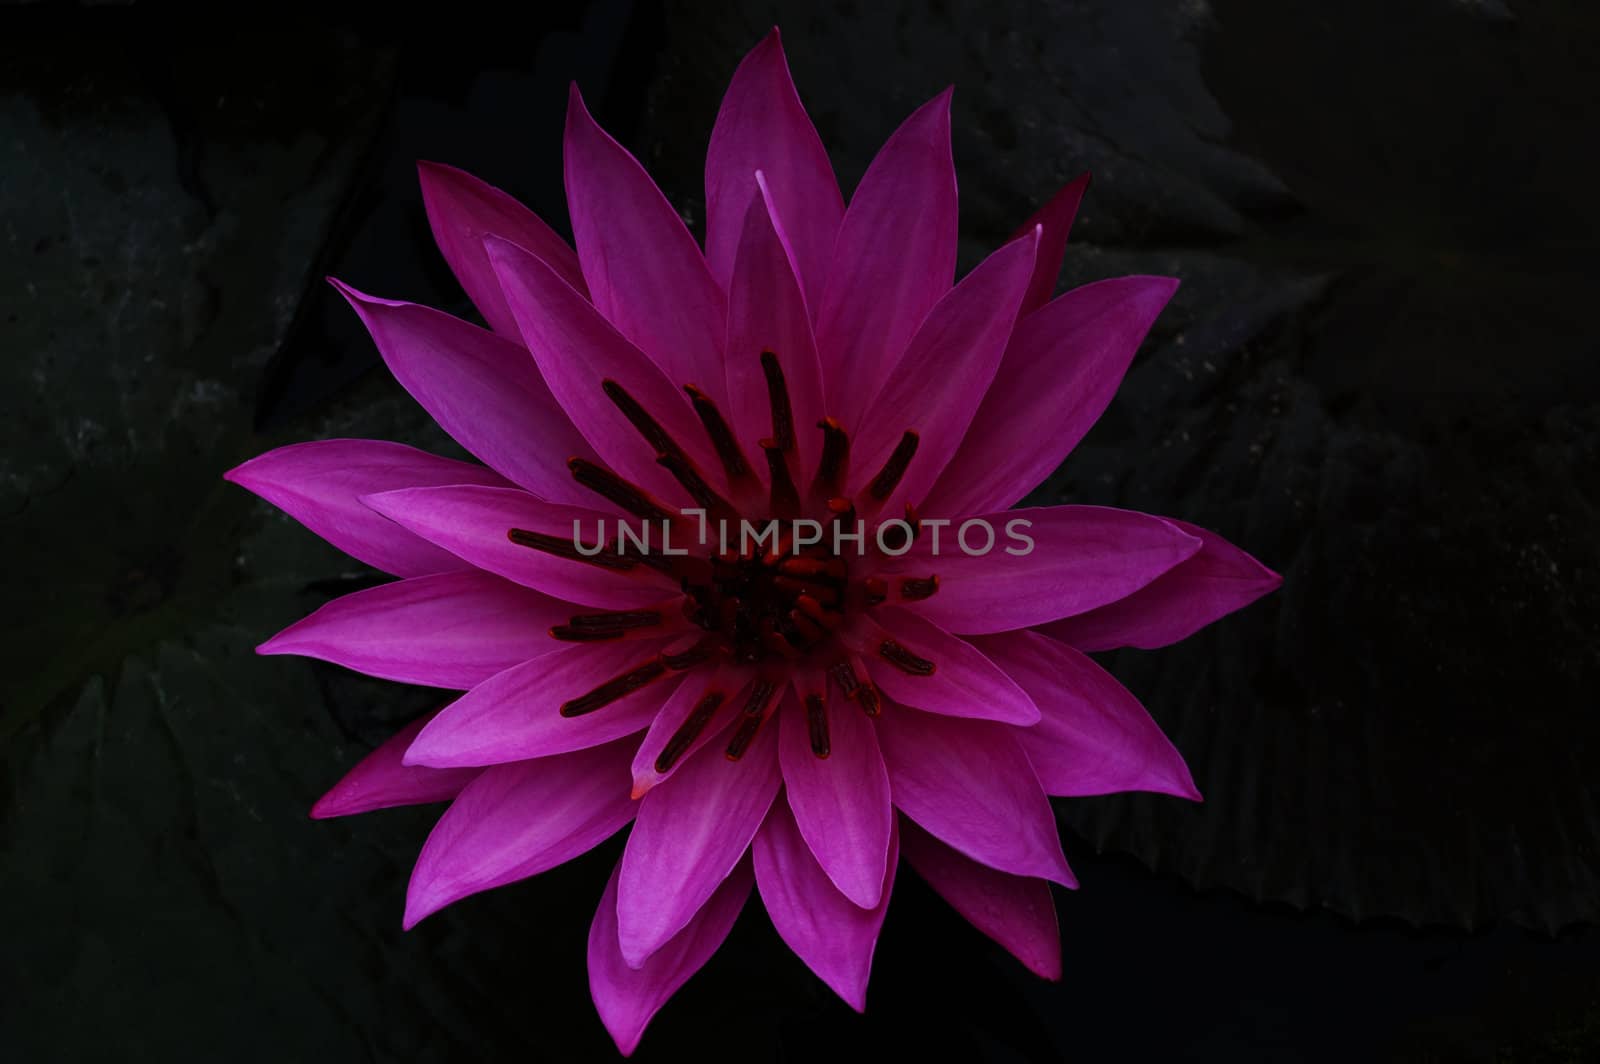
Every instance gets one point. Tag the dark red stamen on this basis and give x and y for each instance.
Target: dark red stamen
(778, 397)
(817, 725)
(867, 698)
(903, 659)
(760, 695)
(629, 497)
(875, 589)
(845, 677)
(895, 467)
(743, 736)
(689, 730)
(561, 547)
(695, 655)
(915, 588)
(648, 427)
(685, 473)
(615, 688)
(835, 452)
(784, 496)
(595, 627)
(722, 439)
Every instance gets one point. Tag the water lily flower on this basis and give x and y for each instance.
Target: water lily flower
(793, 717)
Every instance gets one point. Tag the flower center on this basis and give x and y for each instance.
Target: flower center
(764, 593)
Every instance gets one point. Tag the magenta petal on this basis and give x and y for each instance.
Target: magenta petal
(1016, 911)
(831, 934)
(969, 784)
(728, 681)
(1211, 584)
(767, 312)
(895, 256)
(482, 389)
(462, 211)
(578, 350)
(628, 997)
(1080, 557)
(935, 389)
(763, 126)
(517, 820)
(963, 683)
(1059, 372)
(451, 630)
(1054, 220)
(1093, 736)
(474, 523)
(645, 272)
(516, 714)
(320, 484)
(380, 780)
(840, 802)
(690, 834)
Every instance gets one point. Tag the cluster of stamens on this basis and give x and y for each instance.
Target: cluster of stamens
(766, 606)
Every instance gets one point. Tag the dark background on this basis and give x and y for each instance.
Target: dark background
(1380, 376)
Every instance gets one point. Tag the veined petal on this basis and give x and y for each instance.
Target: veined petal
(462, 210)
(1059, 372)
(935, 389)
(451, 630)
(1044, 563)
(628, 997)
(830, 933)
(1209, 585)
(763, 126)
(517, 820)
(691, 832)
(1016, 911)
(482, 389)
(961, 681)
(711, 699)
(895, 256)
(969, 784)
(645, 272)
(767, 312)
(578, 351)
(380, 780)
(1093, 736)
(840, 802)
(320, 484)
(474, 523)
(516, 714)
(1055, 221)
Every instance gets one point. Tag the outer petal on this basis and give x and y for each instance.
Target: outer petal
(894, 257)
(482, 389)
(626, 997)
(690, 697)
(841, 802)
(936, 387)
(577, 350)
(968, 783)
(451, 630)
(517, 714)
(1068, 559)
(1055, 222)
(517, 820)
(767, 312)
(1211, 584)
(690, 834)
(833, 936)
(1093, 736)
(473, 523)
(1016, 911)
(1060, 371)
(380, 780)
(320, 484)
(462, 211)
(763, 126)
(645, 271)
(964, 683)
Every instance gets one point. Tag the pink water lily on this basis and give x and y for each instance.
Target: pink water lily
(789, 718)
